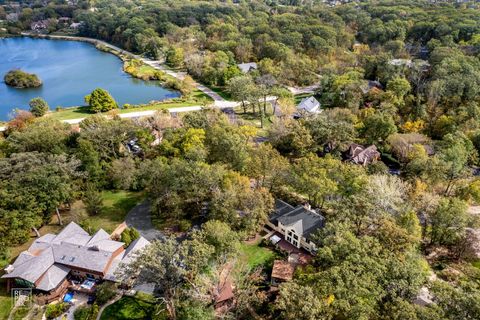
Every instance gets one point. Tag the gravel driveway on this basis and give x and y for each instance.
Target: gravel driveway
(140, 219)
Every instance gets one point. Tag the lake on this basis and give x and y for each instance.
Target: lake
(69, 70)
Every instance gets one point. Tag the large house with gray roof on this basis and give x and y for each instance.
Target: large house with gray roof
(52, 259)
(296, 224)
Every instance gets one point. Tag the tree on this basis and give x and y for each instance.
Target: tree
(175, 57)
(122, 173)
(93, 201)
(378, 127)
(240, 89)
(187, 86)
(218, 235)
(166, 265)
(267, 166)
(43, 135)
(311, 177)
(300, 302)
(100, 101)
(38, 107)
(448, 222)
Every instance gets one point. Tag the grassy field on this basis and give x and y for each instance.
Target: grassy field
(5, 301)
(253, 255)
(141, 306)
(221, 92)
(116, 205)
(196, 98)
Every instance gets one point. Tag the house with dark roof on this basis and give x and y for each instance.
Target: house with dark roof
(359, 154)
(52, 259)
(296, 224)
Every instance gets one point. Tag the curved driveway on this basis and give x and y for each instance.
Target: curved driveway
(139, 218)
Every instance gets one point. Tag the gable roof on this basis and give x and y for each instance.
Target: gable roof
(52, 278)
(32, 269)
(309, 104)
(309, 220)
(247, 67)
(362, 155)
(126, 257)
(282, 270)
(51, 256)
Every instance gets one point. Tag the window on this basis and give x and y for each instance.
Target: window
(290, 233)
(295, 243)
(289, 239)
(295, 237)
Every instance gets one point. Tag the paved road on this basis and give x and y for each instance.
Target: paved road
(140, 219)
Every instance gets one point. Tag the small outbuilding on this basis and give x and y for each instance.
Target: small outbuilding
(282, 271)
(308, 105)
(247, 67)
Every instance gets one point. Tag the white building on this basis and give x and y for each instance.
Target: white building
(308, 105)
(296, 224)
(247, 67)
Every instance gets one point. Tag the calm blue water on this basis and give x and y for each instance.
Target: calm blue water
(69, 71)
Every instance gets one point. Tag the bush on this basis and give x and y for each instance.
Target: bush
(55, 310)
(129, 235)
(100, 101)
(86, 313)
(38, 107)
(105, 292)
(184, 225)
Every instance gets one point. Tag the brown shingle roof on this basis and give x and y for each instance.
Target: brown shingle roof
(282, 270)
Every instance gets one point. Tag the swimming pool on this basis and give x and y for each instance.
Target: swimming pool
(68, 297)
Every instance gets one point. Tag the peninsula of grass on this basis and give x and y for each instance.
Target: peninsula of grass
(21, 79)
(197, 98)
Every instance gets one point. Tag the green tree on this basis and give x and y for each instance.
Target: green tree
(240, 89)
(378, 127)
(38, 107)
(100, 101)
(448, 222)
(93, 201)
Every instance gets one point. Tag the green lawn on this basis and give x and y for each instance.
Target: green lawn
(221, 92)
(116, 205)
(299, 97)
(253, 255)
(196, 98)
(141, 306)
(5, 301)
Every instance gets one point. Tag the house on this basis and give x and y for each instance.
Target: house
(296, 224)
(247, 67)
(282, 271)
(371, 85)
(359, 154)
(308, 105)
(39, 25)
(52, 260)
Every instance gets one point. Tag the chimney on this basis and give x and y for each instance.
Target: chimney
(9, 268)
